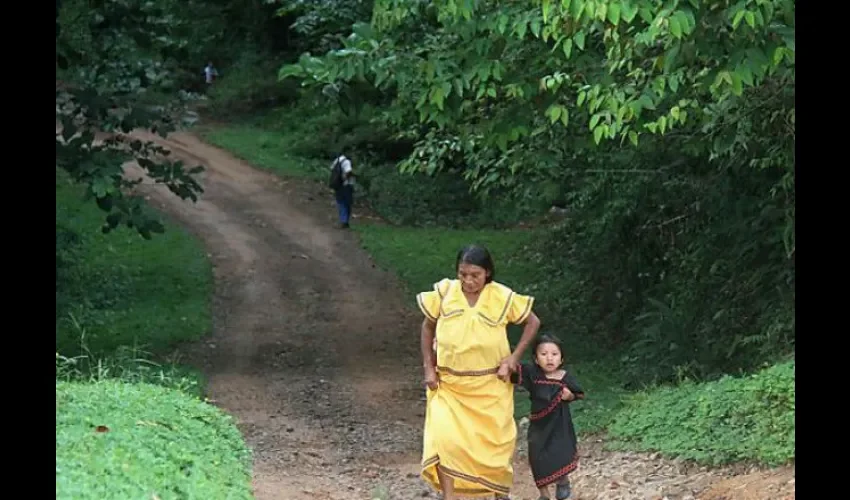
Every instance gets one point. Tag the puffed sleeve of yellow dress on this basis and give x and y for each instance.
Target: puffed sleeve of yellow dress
(429, 302)
(520, 308)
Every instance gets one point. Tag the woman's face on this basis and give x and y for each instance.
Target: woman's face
(472, 277)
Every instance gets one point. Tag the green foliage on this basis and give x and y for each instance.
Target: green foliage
(99, 164)
(733, 419)
(120, 440)
(176, 36)
(120, 292)
(685, 271)
(266, 149)
(250, 85)
(111, 76)
(115, 297)
(483, 74)
(665, 129)
(319, 24)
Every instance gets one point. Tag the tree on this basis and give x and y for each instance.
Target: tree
(110, 78)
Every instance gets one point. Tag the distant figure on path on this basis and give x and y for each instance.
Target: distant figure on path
(342, 183)
(470, 432)
(210, 73)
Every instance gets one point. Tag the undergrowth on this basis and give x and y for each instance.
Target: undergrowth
(128, 363)
(733, 419)
(250, 84)
(130, 420)
(119, 440)
(123, 290)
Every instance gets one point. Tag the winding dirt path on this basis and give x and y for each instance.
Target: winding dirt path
(314, 349)
(312, 344)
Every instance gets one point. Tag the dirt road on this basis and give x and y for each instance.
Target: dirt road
(315, 350)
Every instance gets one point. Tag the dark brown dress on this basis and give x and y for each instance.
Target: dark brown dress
(552, 443)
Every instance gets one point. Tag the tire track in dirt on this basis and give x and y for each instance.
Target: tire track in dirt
(313, 348)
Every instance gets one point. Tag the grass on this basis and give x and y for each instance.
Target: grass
(264, 148)
(400, 250)
(119, 440)
(730, 420)
(128, 426)
(122, 290)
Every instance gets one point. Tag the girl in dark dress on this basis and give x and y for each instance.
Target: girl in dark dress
(552, 445)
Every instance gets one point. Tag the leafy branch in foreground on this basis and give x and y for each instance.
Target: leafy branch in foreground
(111, 77)
(82, 115)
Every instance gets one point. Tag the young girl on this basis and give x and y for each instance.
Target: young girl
(552, 450)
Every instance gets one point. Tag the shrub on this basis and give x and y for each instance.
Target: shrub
(249, 85)
(121, 440)
(733, 419)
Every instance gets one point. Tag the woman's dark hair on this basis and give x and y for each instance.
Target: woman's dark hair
(548, 338)
(477, 256)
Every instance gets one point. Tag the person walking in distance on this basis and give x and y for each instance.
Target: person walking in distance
(342, 183)
(210, 73)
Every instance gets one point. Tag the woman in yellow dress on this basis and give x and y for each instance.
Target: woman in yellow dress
(470, 433)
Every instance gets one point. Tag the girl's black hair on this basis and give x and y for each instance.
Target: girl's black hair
(548, 338)
(477, 256)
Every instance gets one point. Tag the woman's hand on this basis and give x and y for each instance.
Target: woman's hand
(506, 367)
(432, 380)
(504, 372)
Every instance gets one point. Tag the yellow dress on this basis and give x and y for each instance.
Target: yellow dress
(469, 420)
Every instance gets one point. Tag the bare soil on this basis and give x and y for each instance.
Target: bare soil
(314, 351)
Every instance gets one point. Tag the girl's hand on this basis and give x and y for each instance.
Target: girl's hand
(432, 380)
(567, 395)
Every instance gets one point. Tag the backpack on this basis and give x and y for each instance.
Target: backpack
(335, 180)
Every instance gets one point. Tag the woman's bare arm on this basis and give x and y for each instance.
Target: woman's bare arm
(429, 364)
(532, 325)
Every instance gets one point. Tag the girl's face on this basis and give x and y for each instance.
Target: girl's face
(472, 277)
(548, 357)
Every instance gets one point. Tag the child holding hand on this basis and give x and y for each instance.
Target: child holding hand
(552, 444)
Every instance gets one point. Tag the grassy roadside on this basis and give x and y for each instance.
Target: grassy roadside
(119, 290)
(116, 439)
(130, 422)
(733, 419)
(264, 148)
